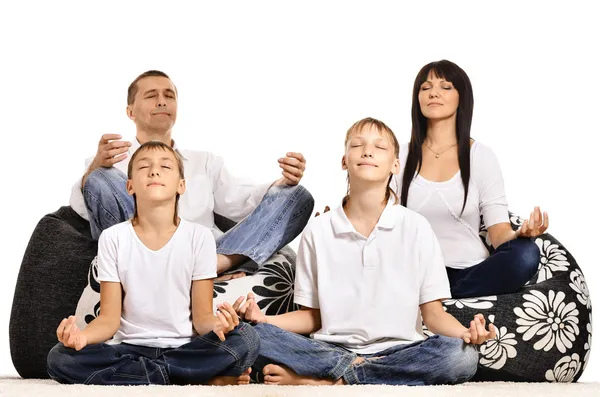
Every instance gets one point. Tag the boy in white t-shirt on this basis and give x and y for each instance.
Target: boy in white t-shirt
(368, 274)
(156, 293)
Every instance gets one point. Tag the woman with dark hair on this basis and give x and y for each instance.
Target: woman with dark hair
(456, 182)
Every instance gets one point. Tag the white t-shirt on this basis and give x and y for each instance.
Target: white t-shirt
(441, 203)
(156, 284)
(209, 187)
(369, 289)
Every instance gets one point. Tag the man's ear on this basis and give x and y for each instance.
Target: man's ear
(129, 111)
(129, 187)
(344, 166)
(182, 186)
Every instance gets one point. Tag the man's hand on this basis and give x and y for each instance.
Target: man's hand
(293, 166)
(110, 151)
(70, 335)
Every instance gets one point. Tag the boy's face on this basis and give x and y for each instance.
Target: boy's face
(370, 156)
(155, 176)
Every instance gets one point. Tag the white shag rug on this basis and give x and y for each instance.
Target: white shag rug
(49, 388)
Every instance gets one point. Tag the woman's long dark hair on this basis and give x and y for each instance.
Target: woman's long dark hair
(464, 115)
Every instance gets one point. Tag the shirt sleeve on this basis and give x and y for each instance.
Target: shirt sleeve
(76, 201)
(306, 291)
(108, 257)
(492, 197)
(235, 198)
(205, 254)
(434, 279)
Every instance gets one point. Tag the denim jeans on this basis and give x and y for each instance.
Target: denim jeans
(196, 362)
(279, 218)
(436, 360)
(505, 271)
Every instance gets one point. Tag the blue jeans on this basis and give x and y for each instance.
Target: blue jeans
(196, 362)
(279, 218)
(505, 271)
(436, 360)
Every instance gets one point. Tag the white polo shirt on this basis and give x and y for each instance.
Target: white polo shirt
(156, 309)
(209, 187)
(369, 289)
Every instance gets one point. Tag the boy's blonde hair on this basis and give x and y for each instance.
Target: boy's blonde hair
(381, 127)
(155, 145)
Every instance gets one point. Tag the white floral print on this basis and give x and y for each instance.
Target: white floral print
(475, 303)
(580, 287)
(588, 344)
(549, 317)
(552, 259)
(565, 369)
(495, 352)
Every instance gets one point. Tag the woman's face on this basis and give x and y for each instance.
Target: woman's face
(438, 98)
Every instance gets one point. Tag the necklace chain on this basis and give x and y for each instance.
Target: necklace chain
(437, 155)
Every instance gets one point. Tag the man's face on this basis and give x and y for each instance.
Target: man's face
(155, 105)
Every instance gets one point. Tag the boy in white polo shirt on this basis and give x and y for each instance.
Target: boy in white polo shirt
(367, 273)
(156, 324)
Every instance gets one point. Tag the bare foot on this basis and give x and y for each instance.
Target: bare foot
(243, 379)
(227, 277)
(281, 375)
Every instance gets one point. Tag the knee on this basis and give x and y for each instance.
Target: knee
(58, 362)
(103, 178)
(461, 360)
(529, 257)
(298, 193)
(251, 346)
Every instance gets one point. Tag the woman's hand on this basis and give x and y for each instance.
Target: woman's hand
(534, 226)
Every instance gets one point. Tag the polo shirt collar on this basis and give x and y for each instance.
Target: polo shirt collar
(341, 224)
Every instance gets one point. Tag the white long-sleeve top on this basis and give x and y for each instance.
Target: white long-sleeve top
(209, 188)
(441, 202)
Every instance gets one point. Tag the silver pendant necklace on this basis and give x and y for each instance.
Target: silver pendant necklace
(437, 155)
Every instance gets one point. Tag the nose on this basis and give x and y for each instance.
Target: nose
(367, 151)
(434, 92)
(162, 101)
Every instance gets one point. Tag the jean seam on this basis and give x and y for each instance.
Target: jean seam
(88, 193)
(93, 374)
(220, 346)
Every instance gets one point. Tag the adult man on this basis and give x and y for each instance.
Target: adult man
(269, 215)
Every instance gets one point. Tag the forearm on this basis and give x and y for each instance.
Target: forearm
(444, 324)
(503, 237)
(205, 324)
(304, 321)
(101, 329)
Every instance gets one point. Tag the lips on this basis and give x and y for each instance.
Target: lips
(155, 184)
(367, 164)
(435, 104)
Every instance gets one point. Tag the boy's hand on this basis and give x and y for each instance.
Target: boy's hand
(477, 334)
(70, 335)
(227, 320)
(250, 310)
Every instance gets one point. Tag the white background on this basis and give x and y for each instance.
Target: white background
(257, 79)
